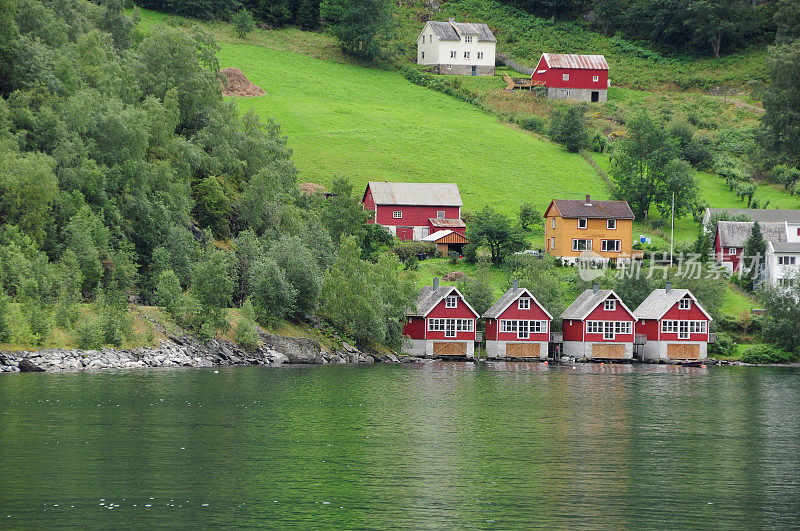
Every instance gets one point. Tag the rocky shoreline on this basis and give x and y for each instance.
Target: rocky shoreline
(188, 351)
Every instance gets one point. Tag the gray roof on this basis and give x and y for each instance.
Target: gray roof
(735, 233)
(786, 247)
(588, 301)
(452, 31)
(428, 298)
(569, 60)
(505, 301)
(760, 214)
(431, 194)
(589, 208)
(660, 301)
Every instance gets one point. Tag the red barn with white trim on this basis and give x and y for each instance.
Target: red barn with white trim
(517, 326)
(412, 211)
(573, 77)
(598, 325)
(441, 323)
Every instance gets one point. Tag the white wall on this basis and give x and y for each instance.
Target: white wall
(438, 51)
(774, 271)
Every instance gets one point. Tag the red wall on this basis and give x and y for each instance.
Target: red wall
(535, 313)
(619, 314)
(724, 256)
(415, 328)
(573, 331)
(692, 314)
(649, 327)
(492, 326)
(579, 78)
(369, 204)
(414, 216)
(461, 311)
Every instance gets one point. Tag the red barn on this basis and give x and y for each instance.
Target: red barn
(517, 326)
(675, 324)
(598, 325)
(412, 211)
(573, 77)
(441, 323)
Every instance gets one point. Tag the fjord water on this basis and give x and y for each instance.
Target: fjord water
(436, 445)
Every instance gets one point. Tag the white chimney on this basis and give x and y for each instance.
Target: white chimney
(435, 283)
(596, 287)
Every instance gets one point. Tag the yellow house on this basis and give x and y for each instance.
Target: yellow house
(575, 226)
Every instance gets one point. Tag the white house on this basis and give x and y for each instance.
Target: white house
(457, 48)
(781, 263)
(763, 215)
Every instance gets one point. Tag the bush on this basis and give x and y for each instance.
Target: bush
(89, 335)
(768, 354)
(531, 123)
(246, 332)
(5, 327)
(725, 346)
(39, 321)
(243, 23)
(114, 322)
(169, 292)
(406, 250)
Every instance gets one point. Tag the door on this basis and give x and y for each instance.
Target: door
(595, 96)
(522, 350)
(458, 348)
(681, 351)
(603, 351)
(474, 70)
(405, 233)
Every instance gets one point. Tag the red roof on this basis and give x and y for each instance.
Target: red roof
(583, 62)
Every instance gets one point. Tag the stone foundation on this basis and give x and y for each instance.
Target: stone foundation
(554, 93)
(464, 70)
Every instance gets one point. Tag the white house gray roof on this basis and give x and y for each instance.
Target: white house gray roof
(496, 309)
(452, 31)
(660, 301)
(588, 301)
(735, 233)
(761, 215)
(429, 297)
(430, 194)
(786, 247)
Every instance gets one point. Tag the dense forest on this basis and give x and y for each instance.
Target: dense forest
(124, 175)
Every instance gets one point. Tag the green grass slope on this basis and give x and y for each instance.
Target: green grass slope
(369, 124)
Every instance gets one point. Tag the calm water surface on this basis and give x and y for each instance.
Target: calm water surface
(432, 445)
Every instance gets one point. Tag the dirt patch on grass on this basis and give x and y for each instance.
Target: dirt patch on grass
(238, 85)
(455, 276)
(312, 188)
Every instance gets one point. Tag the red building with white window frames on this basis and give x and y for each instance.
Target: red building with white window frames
(441, 323)
(598, 325)
(412, 211)
(731, 236)
(573, 77)
(675, 324)
(517, 326)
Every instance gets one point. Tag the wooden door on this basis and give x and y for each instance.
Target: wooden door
(405, 233)
(682, 351)
(458, 348)
(603, 351)
(522, 350)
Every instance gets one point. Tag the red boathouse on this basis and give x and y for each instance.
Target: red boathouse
(573, 77)
(517, 326)
(598, 325)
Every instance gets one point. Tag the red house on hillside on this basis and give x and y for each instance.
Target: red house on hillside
(412, 211)
(441, 323)
(675, 324)
(598, 325)
(573, 77)
(731, 236)
(517, 326)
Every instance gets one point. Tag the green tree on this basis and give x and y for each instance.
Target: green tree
(568, 128)
(28, 187)
(713, 22)
(5, 326)
(301, 271)
(787, 21)
(212, 285)
(212, 206)
(781, 322)
(478, 290)
(246, 331)
(780, 126)
(342, 213)
(678, 180)
(168, 293)
(755, 248)
(494, 230)
(363, 27)
(528, 216)
(273, 296)
(308, 14)
(243, 22)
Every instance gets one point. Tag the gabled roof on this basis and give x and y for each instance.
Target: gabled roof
(587, 302)
(429, 194)
(508, 298)
(447, 223)
(761, 215)
(590, 208)
(735, 233)
(428, 298)
(439, 234)
(582, 62)
(660, 301)
(452, 31)
(785, 247)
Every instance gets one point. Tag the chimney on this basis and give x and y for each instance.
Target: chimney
(515, 285)
(435, 283)
(588, 200)
(596, 287)
(669, 286)
(452, 20)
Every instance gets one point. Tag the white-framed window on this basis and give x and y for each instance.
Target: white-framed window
(436, 325)
(452, 56)
(541, 71)
(595, 78)
(480, 55)
(609, 329)
(787, 260)
(583, 223)
(611, 224)
(440, 214)
(430, 39)
(552, 243)
(397, 214)
(553, 222)
(423, 39)
(522, 328)
(524, 303)
(684, 304)
(422, 54)
(451, 301)
(567, 92)
(450, 326)
(683, 328)
(467, 38)
(449, 67)
(581, 245)
(612, 246)
(564, 77)
(731, 250)
(610, 305)
(466, 55)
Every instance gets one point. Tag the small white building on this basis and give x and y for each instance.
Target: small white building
(781, 263)
(457, 48)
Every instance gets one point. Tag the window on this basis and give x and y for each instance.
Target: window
(423, 39)
(480, 55)
(452, 54)
(595, 78)
(567, 93)
(787, 260)
(466, 55)
(565, 77)
(422, 55)
(553, 222)
(522, 328)
(430, 39)
(449, 67)
(685, 304)
(467, 38)
(609, 329)
(524, 303)
(583, 223)
(450, 326)
(610, 305)
(440, 214)
(581, 245)
(731, 250)
(683, 328)
(798, 231)
(612, 246)
(397, 214)
(541, 71)
(611, 224)
(451, 301)
(552, 243)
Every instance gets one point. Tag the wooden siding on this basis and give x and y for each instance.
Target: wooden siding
(579, 78)
(566, 230)
(458, 348)
(682, 351)
(608, 351)
(522, 350)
